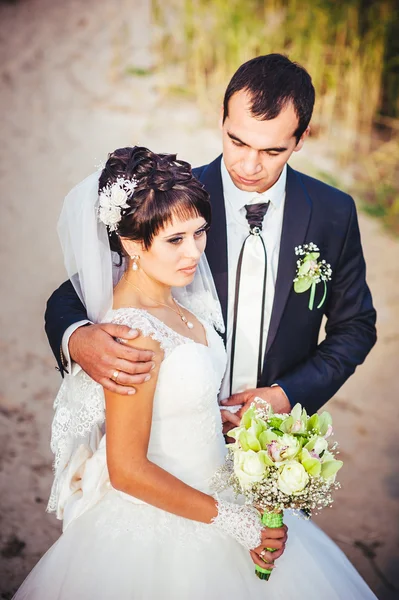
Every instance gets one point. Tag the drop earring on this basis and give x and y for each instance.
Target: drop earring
(135, 262)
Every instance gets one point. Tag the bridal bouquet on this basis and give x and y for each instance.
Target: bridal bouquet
(281, 461)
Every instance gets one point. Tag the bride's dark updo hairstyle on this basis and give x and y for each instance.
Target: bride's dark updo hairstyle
(165, 188)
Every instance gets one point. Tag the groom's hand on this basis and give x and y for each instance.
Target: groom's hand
(95, 349)
(273, 395)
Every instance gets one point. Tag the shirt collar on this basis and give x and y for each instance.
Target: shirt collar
(239, 198)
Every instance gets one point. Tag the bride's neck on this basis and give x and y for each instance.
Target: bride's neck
(148, 289)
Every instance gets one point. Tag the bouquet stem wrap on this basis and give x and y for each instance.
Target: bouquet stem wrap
(269, 519)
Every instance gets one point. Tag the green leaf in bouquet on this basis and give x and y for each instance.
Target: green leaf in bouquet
(325, 421)
(330, 467)
(303, 284)
(302, 438)
(312, 465)
(275, 422)
(277, 432)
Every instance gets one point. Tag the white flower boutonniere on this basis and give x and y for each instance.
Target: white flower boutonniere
(310, 272)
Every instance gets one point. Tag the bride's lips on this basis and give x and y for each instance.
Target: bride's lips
(189, 270)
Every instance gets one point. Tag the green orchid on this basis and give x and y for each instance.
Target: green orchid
(330, 466)
(295, 422)
(311, 464)
(249, 441)
(247, 434)
(317, 444)
(320, 424)
(267, 437)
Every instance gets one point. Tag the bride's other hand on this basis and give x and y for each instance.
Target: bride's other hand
(229, 420)
(275, 538)
(96, 350)
(273, 395)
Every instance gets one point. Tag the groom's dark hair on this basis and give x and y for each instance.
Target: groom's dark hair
(272, 81)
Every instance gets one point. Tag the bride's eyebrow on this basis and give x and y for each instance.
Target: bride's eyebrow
(172, 235)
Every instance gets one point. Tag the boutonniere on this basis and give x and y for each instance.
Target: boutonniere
(310, 272)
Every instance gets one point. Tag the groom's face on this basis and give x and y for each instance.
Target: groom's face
(256, 151)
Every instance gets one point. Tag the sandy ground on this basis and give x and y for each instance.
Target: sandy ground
(65, 102)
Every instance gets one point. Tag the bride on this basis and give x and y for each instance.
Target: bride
(133, 475)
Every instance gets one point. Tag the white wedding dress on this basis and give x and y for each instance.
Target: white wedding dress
(114, 547)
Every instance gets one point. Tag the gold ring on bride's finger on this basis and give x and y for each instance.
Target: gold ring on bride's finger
(115, 375)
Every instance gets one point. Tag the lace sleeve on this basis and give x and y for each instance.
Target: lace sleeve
(79, 414)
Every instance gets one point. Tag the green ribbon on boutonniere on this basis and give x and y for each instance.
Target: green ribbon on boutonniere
(310, 272)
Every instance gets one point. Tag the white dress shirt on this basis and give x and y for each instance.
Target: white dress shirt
(237, 230)
(72, 367)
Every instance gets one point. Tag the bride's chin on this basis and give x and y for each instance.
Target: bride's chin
(184, 279)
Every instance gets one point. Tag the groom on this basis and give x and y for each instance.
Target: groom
(263, 210)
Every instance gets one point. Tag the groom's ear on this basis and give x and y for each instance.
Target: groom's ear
(302, 139)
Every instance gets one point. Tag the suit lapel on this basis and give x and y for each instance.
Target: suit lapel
(216, 248)
(297, 212)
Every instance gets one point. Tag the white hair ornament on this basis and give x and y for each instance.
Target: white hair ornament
(113, 198)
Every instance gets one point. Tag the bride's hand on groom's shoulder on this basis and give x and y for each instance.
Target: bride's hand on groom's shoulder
(275, 538)
(274, 395)
(95, 349)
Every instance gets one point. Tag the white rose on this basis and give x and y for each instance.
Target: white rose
(249, 467)
(110, 215)
(118, 196)
(293, 478)
(104, 200)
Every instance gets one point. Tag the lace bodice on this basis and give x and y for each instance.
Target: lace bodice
(186, 434)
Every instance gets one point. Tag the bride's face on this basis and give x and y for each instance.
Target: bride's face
(175, 252)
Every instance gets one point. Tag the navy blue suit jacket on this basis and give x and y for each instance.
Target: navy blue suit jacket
(310, 373)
